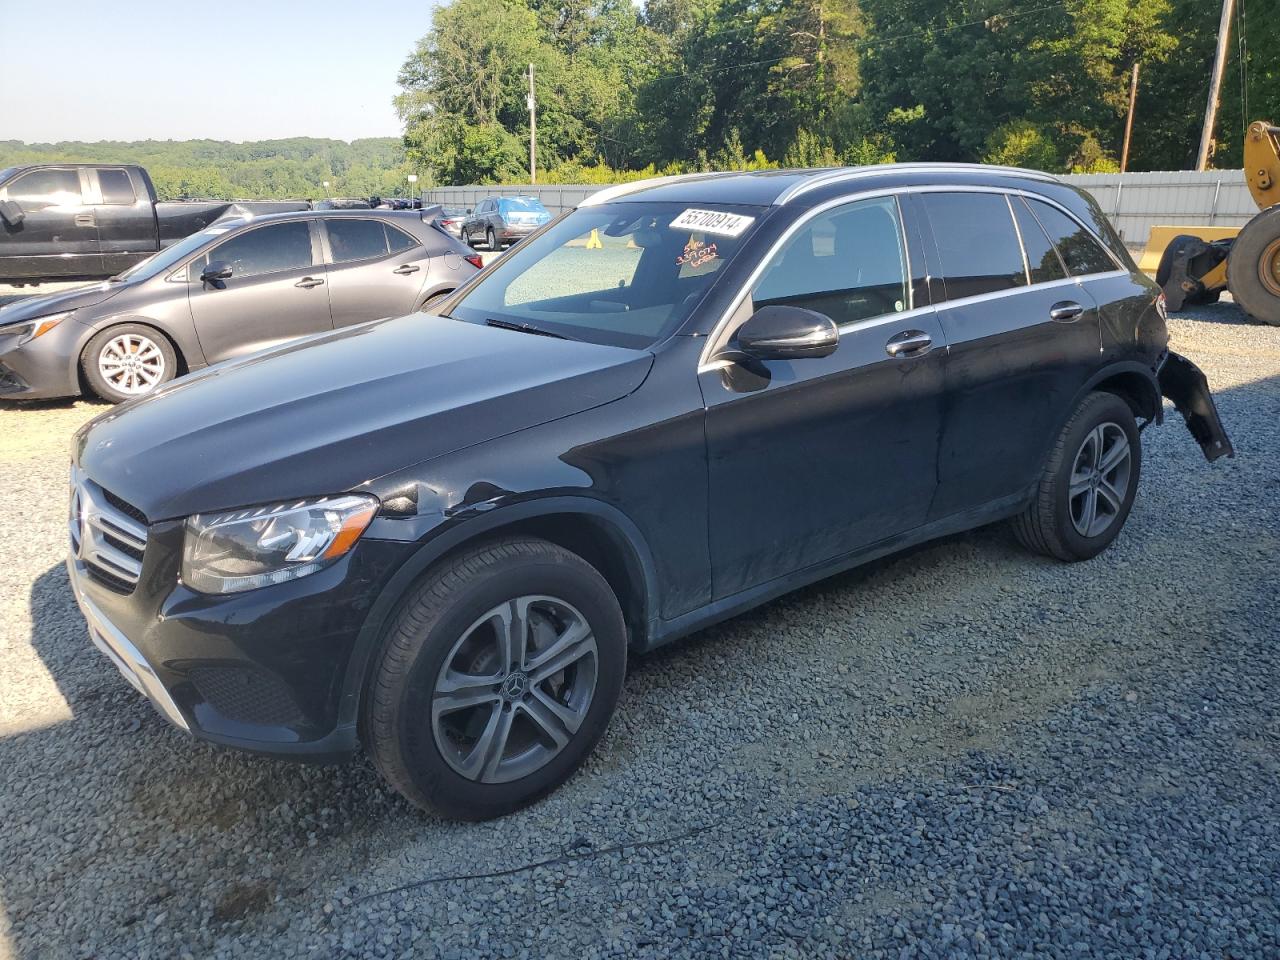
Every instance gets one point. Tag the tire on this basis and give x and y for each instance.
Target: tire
(433, 755)
(1253, 267)
(1052, 524)
(492, 239)
(111, 372)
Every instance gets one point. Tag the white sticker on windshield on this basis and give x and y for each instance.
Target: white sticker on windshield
(712, 221)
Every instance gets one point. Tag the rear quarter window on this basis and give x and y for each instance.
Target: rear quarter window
(1081, 253)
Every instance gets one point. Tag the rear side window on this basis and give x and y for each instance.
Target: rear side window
(1042, 259)
(46, 188)
(848, 263)
(1079, 250)
(977, 243)
(270, 249)
(398, 240)
(356, 239)
(116, 186)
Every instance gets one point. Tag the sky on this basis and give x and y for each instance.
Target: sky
(218, 69)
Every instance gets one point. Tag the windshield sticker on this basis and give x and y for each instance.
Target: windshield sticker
(711, 221)
(696, 254)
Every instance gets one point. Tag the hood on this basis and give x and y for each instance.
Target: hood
(29, 308)
(330, 413)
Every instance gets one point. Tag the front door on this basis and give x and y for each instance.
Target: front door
(58, 235)
(375, 270)
(813, 459)
(277, 290)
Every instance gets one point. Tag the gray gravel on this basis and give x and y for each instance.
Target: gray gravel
(965, 751)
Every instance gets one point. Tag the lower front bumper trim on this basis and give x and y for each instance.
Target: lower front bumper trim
(128, 659)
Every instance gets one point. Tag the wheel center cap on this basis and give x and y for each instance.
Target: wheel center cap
(515, 685)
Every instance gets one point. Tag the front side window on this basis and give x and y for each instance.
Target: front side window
(626, 273)
(977, 243)
(116, 187)
(849, 263)
(46, 188)
(269, 249)
(1080, 251)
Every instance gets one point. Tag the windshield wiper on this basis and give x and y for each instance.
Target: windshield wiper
(524, 328)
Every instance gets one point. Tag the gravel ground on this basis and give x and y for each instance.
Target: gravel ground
(961, 751)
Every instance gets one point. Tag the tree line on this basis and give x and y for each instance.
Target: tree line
(294, 168)
(676, 85)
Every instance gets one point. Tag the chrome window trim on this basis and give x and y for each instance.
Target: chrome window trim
(719, 333)
(1022, 246)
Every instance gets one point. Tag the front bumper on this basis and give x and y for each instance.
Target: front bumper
(45, 368)
(265, 670)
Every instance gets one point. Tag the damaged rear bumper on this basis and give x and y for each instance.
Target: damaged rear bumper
(1184, 383)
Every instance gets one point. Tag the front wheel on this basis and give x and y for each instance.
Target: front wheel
(128, 361)
(496, 680)
(1088, 485)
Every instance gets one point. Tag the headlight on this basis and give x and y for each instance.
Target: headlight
(28, 330)
(260, 546)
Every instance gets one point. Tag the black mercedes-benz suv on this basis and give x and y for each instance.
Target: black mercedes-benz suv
(439, 536)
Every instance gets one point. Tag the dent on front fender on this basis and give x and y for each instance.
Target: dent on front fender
(1186, 385)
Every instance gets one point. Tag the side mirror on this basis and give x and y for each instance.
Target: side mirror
(215, 270)
(787, 333)
(469, 211)
(12, 213)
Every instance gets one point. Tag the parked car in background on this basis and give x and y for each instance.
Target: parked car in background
(438, 536)
(342, 203)
(85, 221)
(448, 219)
(497, 221)
(234, 288)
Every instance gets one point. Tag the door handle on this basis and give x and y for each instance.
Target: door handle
(406, 268)
(1065, 310)
(85, 220)
(308, 282)
(909, 343)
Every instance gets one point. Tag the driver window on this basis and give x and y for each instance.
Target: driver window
(848, 263)
(46, 188)
(270, 249)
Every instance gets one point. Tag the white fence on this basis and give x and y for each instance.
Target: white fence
(1135, 202)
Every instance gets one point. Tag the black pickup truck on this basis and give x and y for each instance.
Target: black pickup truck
(86, 221)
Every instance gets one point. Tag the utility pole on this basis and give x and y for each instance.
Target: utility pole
(1128, 124)
(1215, 84)
(533, 131)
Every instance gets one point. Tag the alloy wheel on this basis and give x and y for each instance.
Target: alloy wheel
(514, 689)
(1100, 477)
(132, 364)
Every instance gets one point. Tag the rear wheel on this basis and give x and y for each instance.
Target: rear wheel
(493, 239)
(496, 680)
(1088, 485)
(127, 361)
(1253, 267)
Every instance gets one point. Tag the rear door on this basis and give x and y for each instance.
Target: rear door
(126, 218)
(58, 235)
(375, 269)
(277, 290)
(1023, 337)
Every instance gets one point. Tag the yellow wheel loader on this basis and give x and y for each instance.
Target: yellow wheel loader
(1196, 269)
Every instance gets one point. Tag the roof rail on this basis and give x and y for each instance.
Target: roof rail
(622, 189)
(826, 177)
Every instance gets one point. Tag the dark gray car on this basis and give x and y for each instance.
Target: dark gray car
(237, 287)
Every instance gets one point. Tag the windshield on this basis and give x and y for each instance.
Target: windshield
(174, 253)
(625, 274)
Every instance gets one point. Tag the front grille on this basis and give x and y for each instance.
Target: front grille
(108, 535)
